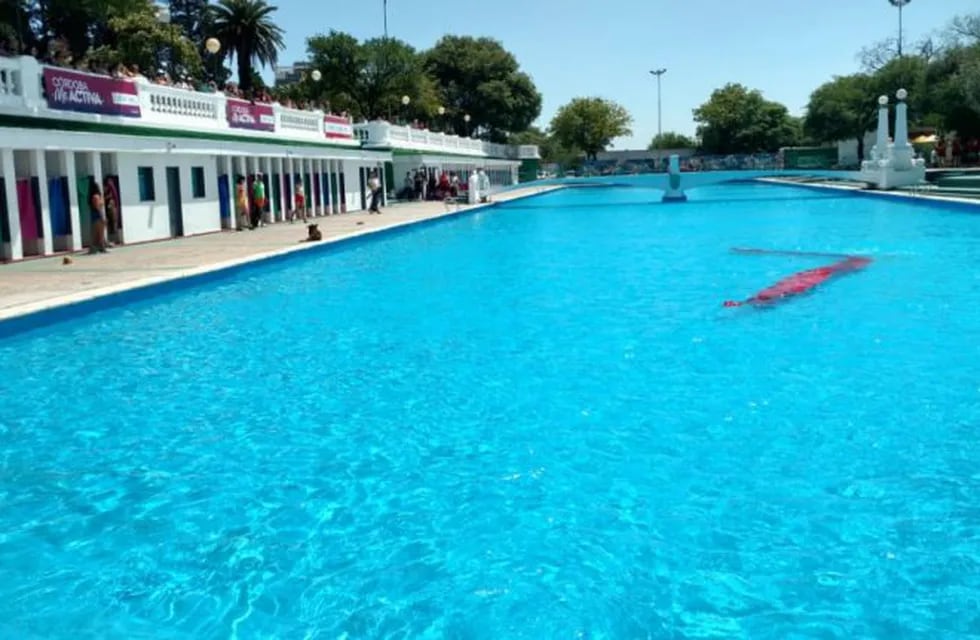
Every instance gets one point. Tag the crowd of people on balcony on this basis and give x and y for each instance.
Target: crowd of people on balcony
(58, 56)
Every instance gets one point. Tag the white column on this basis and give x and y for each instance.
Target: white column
(74, 208)
(266, 169)
(384, 187)
(291, 180)
(881, 139)
(41, 172)
(229, 170)
(318, 181)
(283, 205)
(16, 251)
(95, 160)
(329, 199)
(243, 171)
(307, 170)
(318, 168)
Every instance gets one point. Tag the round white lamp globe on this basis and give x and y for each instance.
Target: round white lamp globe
(901, 94)
(883, 100)
(213, 45)
(316, 75)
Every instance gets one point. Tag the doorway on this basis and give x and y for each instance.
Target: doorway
(173, 201)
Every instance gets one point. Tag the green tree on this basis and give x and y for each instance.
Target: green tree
(671, 140)
(842, 109)
(139, 38)
(736, 119)
(246, 31)
(479, 78)
(590, 125)
(369, 79)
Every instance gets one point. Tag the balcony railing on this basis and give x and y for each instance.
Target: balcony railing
(30, 88)
(380, 134)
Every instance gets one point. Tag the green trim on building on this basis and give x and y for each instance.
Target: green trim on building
(29, 122)
(415, 152)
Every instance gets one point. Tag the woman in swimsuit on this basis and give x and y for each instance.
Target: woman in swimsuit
(97, 215)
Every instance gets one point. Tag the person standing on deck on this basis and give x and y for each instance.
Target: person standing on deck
(241, 203)
(97, 215)
(483, 184)
(374, 188)
(258, 200)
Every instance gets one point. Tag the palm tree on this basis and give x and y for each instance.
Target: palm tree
(246, 30)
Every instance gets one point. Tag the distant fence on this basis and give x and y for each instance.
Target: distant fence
(755, 161)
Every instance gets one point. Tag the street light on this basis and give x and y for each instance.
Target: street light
(316, 75)
(163, 17)
(900, 4)
(213, 46)
(442, 119)
(466, 119)
(405, 102)
(660, 130)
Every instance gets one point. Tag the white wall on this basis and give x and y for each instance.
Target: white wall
(847, 150)
(352, 184)
(145, 221)
(201, 215)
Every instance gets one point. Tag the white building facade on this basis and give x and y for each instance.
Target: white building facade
(168, 158)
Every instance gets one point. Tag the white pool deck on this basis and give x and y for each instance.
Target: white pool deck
(35, 285)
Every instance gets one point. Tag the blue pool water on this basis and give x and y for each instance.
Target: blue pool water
(533, 422)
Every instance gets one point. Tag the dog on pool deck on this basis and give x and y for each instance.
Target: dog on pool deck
(313, 233)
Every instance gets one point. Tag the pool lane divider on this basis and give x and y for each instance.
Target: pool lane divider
(802, 281)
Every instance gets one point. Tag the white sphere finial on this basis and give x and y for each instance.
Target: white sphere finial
(901, 94)
(316, 75)
(883, 100)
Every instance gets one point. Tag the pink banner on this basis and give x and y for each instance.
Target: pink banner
(77, 91)
(337, 127)
(247, 115)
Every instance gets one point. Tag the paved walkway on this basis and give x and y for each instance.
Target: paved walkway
(33, 285)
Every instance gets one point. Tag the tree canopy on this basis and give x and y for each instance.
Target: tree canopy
(479, 78)
(671, 140)
(842, 109)
(736, 119)
(247, 31)
(590, 125)
(369, 79)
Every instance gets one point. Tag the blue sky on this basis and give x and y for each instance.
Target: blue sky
(785, 48)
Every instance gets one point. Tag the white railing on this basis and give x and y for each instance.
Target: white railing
(91, 97)
(170, 102)
(143, 103)
(384, 134)
(298, 120)
(11, 80)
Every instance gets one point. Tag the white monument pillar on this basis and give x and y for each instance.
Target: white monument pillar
(881, 139)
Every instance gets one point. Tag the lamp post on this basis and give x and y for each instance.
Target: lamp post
(466, 119)
(213, 46)
(660, 130)
(163, 17)
(405, 102)
(900, 4)
(442, 118)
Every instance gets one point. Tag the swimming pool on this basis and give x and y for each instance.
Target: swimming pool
(535, 421)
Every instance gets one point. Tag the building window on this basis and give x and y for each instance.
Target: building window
(197, 182)
(147, 188)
